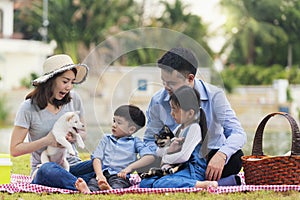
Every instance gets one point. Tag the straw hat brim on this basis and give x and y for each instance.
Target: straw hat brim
(82, 71)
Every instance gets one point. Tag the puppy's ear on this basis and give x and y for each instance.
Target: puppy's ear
(156, 136)
(70, 117)
(167, 129)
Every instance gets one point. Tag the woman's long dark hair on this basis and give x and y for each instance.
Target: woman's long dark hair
(188, 98)
(43, 92)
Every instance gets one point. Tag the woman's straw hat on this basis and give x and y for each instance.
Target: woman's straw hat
(60, 63)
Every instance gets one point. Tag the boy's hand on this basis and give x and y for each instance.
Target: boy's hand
(101, 178)
(102, 183)
(124, 172)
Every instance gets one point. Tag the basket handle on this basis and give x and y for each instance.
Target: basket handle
(257, 142)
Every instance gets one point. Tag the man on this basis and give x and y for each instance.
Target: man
(225, 137)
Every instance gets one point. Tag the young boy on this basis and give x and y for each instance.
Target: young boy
(116, 154)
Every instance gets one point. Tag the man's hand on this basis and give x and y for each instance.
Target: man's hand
(215, 167)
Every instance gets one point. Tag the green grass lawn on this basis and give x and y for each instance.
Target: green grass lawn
(21, 166)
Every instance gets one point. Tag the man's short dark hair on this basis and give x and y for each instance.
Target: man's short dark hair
(180, 59)
(133, 114)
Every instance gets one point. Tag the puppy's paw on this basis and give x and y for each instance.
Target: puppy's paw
(171, 171)
(145, 175)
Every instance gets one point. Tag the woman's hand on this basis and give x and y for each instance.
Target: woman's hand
(51, 139)
(70, 137)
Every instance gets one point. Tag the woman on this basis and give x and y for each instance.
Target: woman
(51, 98)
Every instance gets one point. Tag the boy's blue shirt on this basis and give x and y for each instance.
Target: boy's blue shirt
(117, 154)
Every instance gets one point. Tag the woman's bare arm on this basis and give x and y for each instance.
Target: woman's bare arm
(18, 147)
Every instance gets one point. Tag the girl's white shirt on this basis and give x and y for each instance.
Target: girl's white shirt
(192, 139)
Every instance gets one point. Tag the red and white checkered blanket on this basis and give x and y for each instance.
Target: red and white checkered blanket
(21, 183)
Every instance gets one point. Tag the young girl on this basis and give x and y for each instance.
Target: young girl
(185, 110)
(51, 98)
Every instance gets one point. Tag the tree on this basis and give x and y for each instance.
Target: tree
(78, 25)
(176, 18)
(255, 31)
(290, 21)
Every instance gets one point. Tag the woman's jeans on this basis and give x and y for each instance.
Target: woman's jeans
(53, 175)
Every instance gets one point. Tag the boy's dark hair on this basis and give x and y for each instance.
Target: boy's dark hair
(180, 59)
(188, 98)
(133, 114)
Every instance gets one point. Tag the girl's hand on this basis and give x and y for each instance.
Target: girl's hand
(175, 145)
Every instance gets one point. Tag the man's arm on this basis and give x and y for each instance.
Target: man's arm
(233, 132)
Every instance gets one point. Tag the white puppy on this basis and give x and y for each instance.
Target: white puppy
(67, 123)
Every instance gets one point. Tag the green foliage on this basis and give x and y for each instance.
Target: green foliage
(260, 32)
(289, 95)
(258, 75)
(79, 26)
(4, 110)
(176, 18)
(229, 80)
(26, 82)
(293, 75)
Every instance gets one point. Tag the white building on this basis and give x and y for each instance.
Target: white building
(18, 58)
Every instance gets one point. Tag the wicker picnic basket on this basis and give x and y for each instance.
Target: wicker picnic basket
(260, 169)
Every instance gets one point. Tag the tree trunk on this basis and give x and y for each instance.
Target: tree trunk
(290, 56)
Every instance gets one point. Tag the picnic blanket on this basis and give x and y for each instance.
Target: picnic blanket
(22, 183)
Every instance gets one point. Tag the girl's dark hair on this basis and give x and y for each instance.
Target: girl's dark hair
(133, 114)
(43, 92)
(188, 98)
